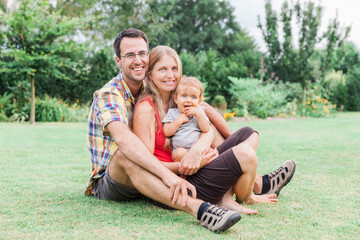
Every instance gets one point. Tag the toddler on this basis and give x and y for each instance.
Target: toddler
(185, 123)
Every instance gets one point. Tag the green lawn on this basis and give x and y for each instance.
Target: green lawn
(45, 168)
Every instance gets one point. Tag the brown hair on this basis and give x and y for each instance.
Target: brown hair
(129, 33)
(186, 81)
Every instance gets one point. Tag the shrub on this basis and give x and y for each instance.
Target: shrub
(353, 91)
(257, 98)
(56, 110)
(219, 102)
(314, 104)
(51, 110)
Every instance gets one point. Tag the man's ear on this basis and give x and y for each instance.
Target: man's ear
(117, 60)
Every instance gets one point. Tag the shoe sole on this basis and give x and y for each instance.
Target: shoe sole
(277, 192)
(229, 223)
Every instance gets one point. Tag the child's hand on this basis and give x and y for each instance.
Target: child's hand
(183, 118)
(192, 111)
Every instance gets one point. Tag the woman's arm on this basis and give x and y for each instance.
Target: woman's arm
(144, 124)
(144, 127)
(217, 120)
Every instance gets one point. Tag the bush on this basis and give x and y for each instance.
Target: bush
(219, 102)
(353, 91)
(56, 110)
(256, 97)
(334, 84)
(314, 104)
(50, 110)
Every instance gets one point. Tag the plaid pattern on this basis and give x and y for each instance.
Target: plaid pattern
(113, 102)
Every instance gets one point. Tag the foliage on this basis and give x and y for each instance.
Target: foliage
(314, 104)
(55, 110)
(202, 25)
(283, 59)
(213, 70)
(50, 110)
(38, 47)
(219, 102)
(264, 99)
(335, 36)
(259, 98)
(353, 91)
(4, 101)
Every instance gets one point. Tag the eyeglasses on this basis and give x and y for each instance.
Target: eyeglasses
(131, 56)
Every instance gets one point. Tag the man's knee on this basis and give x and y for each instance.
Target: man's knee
(119, 168)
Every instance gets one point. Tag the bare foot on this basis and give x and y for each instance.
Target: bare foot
(266, 198)
(246, 211)
(229, 203)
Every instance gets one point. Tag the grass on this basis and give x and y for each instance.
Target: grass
(45, 168)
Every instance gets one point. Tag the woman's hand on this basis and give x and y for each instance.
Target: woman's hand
(208, 155)
(190, 163)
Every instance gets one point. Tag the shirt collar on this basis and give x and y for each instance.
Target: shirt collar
(124, 89)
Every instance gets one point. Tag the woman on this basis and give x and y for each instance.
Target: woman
(230, 171)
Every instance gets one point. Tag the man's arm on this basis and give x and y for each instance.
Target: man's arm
(136, 151)
(217, 120)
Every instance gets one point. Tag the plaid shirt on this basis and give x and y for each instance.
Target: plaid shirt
(113, 102)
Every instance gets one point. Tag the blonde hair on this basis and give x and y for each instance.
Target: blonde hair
(186, 81)
(154, 57)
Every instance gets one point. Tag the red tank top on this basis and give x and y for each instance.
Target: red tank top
(160, 152)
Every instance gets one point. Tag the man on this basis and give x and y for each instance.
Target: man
(122, 166)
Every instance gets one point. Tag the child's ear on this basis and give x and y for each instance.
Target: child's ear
(175, 98)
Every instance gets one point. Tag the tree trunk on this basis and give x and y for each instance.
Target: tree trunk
(32, 109)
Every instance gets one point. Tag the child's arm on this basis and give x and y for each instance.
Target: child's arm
(170, 128)
(203, 121)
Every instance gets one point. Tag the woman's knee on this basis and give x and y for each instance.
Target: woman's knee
(246, 156)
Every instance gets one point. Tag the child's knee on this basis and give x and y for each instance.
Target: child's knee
(178, 154)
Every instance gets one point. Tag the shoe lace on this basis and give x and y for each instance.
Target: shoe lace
(274, 173)
(217, 211)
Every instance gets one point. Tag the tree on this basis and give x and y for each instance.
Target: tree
(292, 63)
(198, 25)
(37, 45)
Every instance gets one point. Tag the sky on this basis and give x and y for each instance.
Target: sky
(247, 11)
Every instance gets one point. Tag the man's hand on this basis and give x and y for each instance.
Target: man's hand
(192, 111)
(179, 186)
